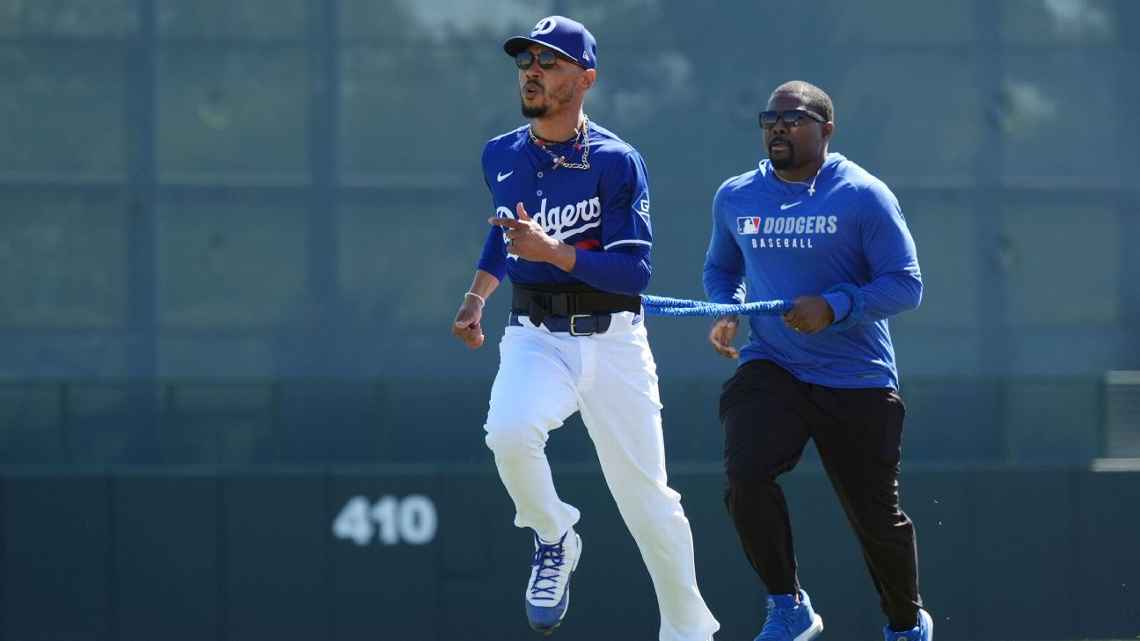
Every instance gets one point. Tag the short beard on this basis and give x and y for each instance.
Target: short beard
(534, 112)
(787, 162)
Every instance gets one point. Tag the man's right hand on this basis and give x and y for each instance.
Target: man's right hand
(722, 334)
(466, 326)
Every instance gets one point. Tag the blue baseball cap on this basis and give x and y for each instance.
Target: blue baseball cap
(568, 37)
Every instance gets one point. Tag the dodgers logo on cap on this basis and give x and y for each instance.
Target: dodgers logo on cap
(544, 26)
(568, 37)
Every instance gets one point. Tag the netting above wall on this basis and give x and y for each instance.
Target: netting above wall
(184, 181)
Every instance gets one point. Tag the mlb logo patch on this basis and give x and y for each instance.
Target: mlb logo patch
(748, 225)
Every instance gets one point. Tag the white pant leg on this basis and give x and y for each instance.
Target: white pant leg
(621, 408)
(533, 394)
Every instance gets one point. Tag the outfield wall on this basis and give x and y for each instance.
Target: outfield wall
(423, 553)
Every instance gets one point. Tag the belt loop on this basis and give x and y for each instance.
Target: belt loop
(560, 304)
(536, 312)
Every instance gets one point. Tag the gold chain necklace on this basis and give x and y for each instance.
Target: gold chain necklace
(581, 140)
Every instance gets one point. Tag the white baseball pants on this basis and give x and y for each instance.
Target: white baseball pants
(611, 379)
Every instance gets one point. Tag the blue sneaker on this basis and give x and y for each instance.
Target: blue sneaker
(790, 621)
(924, 631)
(548, 591)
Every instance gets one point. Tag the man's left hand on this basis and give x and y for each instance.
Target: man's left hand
(527, 239)
(809, 315)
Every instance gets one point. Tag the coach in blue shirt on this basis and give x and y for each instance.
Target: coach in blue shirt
(812, 226)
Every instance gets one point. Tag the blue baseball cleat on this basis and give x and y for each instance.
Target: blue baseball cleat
(923, 631)
(790, 621)
(548, 591)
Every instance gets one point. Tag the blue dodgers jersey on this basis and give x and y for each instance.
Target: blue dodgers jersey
(777, 240)
(603, 208)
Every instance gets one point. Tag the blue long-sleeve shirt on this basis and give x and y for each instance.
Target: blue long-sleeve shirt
(773, 239)
(603, 210)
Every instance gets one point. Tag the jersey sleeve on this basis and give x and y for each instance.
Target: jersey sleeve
(493, 259)
(624, 191)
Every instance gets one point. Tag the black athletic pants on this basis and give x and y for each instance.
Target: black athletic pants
(768, 416)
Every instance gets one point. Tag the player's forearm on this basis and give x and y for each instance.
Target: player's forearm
(564, 257)
(484, 284)
(613, 271)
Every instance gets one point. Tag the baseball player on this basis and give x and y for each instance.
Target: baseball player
(816, 227)
(571, 230)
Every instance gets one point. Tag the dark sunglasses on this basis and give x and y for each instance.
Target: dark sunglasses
(546, 59)
(791, 117)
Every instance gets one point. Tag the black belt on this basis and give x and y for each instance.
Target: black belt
(578, 309)
(576, 325)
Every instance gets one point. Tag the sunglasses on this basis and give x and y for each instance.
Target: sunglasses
(547, 59)
(791, 117)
